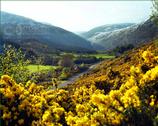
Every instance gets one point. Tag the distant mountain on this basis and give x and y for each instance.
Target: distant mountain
(131, 35)
(104, 28)
(24, 31)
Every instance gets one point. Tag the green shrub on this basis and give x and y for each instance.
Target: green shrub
(13, 63)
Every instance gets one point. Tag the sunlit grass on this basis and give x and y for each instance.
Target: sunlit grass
(35, 68)
(104, 56)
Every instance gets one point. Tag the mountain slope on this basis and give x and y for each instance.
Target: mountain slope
(122, 89)
(135, 35)
(110, 69)
(21, 30)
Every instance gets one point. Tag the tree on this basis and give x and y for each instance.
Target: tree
(39, 61)
(13, 63)
(155, 11)
(66, 61)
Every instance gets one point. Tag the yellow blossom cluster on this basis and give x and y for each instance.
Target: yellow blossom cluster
(148, 56)
(29, 104)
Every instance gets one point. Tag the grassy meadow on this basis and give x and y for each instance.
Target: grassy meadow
(36, 68)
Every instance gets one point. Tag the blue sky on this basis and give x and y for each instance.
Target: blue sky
(80, 15)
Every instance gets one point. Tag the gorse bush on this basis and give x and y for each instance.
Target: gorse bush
(30, 104)
(130, 99)
(13, 63)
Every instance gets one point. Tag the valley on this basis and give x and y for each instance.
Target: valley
(123, 86)
(80, 62)
(105, 75)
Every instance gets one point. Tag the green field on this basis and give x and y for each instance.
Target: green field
(97, 55)
(104, 56)
(34, 68)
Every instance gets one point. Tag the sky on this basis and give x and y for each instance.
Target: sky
(79, 16)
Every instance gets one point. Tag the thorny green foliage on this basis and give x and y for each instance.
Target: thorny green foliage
(13, 63)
